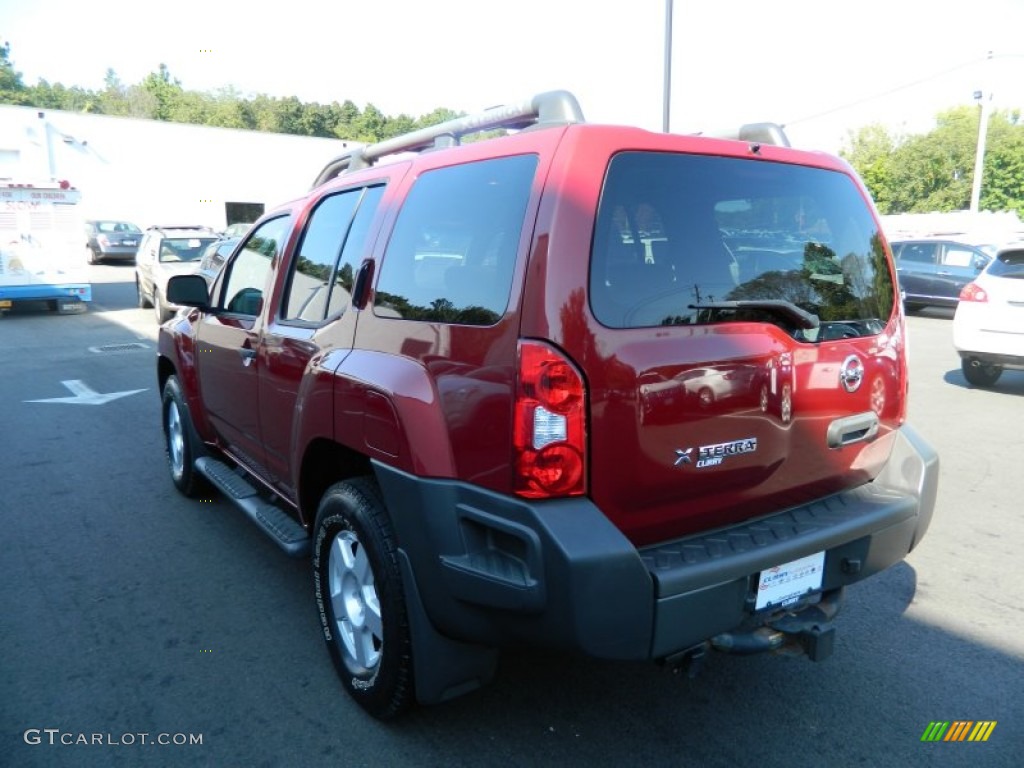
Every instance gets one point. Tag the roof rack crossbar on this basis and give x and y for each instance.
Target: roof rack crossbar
(548, 107)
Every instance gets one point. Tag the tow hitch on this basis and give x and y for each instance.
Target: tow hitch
(806, 631)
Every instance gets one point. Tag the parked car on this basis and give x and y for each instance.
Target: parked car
(518, 391)
(167, 251)
(109, 240)
(214, 257)
(933, 271)
(988, 327)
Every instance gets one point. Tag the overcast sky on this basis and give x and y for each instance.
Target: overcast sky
(821, 67)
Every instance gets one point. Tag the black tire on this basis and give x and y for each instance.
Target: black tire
(91, 256)
(358, 587)
(979, 374)
(181, 445)
(162, 313)
(144, 303)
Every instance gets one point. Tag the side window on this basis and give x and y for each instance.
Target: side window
(958, 256)
(243, 288)
(320, 284)
(352, 253)
(918, 253)
(453, 250)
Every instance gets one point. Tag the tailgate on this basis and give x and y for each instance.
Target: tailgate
(749, 352)
(694, 430)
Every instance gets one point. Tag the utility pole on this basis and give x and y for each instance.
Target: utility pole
(979, 154)
(667, 97)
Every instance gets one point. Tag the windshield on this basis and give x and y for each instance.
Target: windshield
(690, 240)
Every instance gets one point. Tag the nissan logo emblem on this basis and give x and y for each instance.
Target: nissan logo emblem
(852, 373)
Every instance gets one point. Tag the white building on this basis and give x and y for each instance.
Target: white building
(153, 172)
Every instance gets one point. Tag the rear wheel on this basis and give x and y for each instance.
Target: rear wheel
(163, 314)
(91, 256)
(144, 303)
(978, 373)
(359, 594)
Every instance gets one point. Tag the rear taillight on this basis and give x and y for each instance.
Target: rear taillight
(102, 240)
(550, 425)
(973, 292)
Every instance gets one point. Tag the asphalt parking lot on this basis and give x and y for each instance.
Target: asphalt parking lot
(129, 610)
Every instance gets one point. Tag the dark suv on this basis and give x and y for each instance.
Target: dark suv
(932, 271)
(588, 387)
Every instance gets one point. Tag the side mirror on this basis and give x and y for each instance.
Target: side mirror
(188, 291)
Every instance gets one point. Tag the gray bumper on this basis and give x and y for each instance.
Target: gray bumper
(496, 570)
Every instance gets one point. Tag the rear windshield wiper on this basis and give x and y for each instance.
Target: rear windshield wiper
(786, 309)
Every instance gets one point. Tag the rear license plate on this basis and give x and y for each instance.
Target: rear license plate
(787, 583)
(128, 242)
(5, 304)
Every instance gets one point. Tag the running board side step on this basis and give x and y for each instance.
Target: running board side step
(286, 532)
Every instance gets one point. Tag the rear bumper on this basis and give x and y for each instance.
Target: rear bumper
(497, 570)
(117, 254)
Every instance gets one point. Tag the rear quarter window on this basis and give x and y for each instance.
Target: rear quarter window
(680, 239)
(452, 253)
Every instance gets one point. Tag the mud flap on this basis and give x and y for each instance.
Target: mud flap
(443, 668)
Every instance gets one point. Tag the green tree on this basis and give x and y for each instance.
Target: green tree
(369, 126)
(113, 99)
(345, 123)
(934, 171)
(12, 89)
(166, 92)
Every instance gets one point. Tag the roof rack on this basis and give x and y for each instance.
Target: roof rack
(551, 107)
(759, 133)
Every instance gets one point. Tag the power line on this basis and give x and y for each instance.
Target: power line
(891, 91)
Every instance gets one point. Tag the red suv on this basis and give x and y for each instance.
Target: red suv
(590, 387)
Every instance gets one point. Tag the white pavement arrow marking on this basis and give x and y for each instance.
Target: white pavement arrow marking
(83, 395)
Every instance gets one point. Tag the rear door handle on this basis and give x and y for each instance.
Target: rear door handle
(248, 356)
(852, 429)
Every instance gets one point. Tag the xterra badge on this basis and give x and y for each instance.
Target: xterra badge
(713, 455)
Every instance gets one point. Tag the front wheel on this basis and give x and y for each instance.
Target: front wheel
(979, 374)
(359, 594)
(181, 445)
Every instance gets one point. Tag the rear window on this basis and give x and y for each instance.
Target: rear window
(1008, 264)
(691, 240)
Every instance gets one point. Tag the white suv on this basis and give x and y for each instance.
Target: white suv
(167, 251)
(988, 328)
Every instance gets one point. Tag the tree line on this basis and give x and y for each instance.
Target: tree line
(904, 173)
(160, 96)
(934, 171)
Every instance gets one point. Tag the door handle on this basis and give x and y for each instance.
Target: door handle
(852, 429)
(247, 355)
